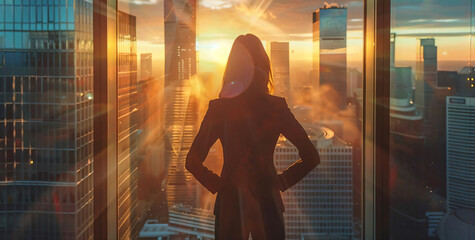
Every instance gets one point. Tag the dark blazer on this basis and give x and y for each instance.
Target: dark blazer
(248, 130)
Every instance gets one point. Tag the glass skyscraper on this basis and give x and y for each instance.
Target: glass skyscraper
(181, 107)
(46, 119)
(329, 49)
(127, 113)
(321, 205)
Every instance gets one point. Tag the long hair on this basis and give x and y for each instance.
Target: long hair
(248, 70)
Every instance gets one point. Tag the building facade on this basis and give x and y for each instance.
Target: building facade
(46, 120)
(322, 203)
(181, 105)
(127, 114)
(279, 57)
(460, 157)
(185, 223)
(426, 78)
(329, 50)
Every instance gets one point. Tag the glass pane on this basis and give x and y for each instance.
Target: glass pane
(316, 52)
(432, 185)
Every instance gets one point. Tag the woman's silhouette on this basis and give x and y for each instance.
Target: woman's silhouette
(248, 121)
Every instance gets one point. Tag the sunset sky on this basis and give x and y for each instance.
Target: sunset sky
(219, 22)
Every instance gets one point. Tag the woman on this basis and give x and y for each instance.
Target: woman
(248, 121)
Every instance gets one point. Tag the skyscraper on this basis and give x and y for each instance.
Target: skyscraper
(430, 100)
(426, 78)
(46, 120)
(329, 49)
(145, 66)
(127, 104)
(322, 203)
(460, 157)
(181, 105)
(279, 57)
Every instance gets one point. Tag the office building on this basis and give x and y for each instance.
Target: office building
(127, 106)
(279, 57)
(447, 79)
(46, 120)
(460, 157)
(185, 223)
(426, 78)
(181, 105)
(145, 66)
(329, 50)
(465, 83)
(322, 203)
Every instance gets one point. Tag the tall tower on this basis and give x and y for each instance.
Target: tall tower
(127, 104)
(279, 57)
(426, 78)
(329, 49)
(460, 153)
(46, 120)
(181, 105)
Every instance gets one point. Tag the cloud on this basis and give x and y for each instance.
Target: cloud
(438, 15)
(139, 2)
(218, 4)
(450, 20)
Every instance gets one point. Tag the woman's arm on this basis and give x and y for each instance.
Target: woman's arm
(309, 157)
(205, 138)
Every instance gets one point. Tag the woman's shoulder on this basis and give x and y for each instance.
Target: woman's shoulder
(277, 101)
(269, 100)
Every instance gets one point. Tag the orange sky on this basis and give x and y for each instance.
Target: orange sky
(220, 21)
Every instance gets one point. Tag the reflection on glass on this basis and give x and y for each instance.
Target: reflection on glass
(432, 124)
(46, 117)
(127, 162)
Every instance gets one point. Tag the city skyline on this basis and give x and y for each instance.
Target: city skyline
(286, 21)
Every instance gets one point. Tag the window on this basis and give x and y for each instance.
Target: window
(431, 120)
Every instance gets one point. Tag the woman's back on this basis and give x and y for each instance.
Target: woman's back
(248, 131)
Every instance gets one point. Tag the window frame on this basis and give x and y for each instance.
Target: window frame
(376, 90)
